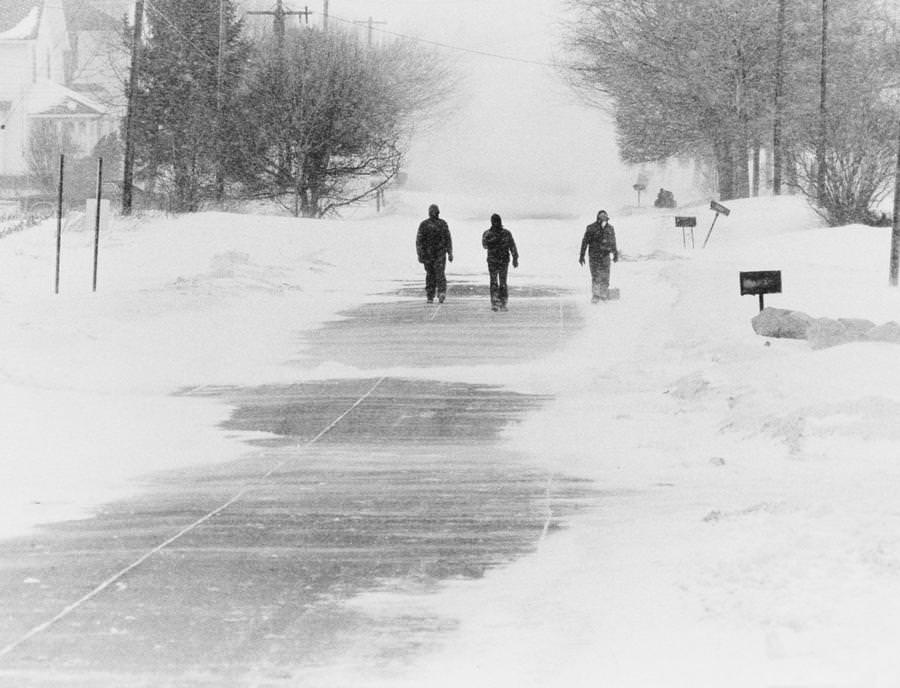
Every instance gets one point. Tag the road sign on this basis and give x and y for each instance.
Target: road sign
(761, 282)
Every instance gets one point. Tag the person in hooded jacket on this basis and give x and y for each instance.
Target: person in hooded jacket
(500, 246)
(434, 247)
(600, 243)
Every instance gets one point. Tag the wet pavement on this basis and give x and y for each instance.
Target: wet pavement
(462, 331)
(411, 487)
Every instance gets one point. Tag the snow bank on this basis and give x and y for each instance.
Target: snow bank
(746, 532)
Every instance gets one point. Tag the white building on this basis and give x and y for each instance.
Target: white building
(61, 65)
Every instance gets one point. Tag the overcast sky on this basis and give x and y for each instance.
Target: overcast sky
(517, 125)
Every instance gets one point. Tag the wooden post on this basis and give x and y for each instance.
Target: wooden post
(97, 218)
(777, 163)
(128, 178)
(220, 71)
(823, 109)
(895, 232)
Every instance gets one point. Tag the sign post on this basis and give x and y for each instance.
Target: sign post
(761, 282)
(639, 187)
(719, 209)
(685, 222)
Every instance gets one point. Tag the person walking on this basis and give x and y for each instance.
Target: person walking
(434, 247)
(500, 246)
(600, 242)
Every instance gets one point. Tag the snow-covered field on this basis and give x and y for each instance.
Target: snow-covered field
(750, 534)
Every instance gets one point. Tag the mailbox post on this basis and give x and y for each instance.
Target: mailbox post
(639, 187)
(719, 210)
(761, 282)
(685, 223)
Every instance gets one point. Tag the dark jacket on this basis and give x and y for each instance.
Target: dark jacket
(500, 245)
(601, 241)
(433, 240)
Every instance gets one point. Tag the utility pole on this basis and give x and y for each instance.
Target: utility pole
(371, 24)
(895, 232)
(220, 71)
(128, 175)
(325, 15)
(823, 90)
(777, 162)
(279, 14)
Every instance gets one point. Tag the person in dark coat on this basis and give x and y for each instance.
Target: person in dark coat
(500, 246)
(600, 242)
(434, 247)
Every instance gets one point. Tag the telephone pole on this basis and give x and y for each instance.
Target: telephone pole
(371, 24)
(823, 108)
(779, 101)
(128, 174)
(279, 14)
(325, 15)
(220, 72)
(895, 231)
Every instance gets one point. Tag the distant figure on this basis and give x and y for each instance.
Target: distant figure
(500, 246)
(664, 199)
(434, 247)
(600, 238)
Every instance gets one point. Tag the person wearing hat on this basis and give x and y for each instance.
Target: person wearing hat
(600, 243)
(500, 246)
(434, 247)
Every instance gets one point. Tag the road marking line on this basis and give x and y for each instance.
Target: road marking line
(549, 507)
(184, 531)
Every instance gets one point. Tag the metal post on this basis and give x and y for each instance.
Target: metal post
(97, 218)
(710, 230)
(59, 218)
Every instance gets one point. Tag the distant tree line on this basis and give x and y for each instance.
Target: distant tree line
(313, 120)
(699, 78)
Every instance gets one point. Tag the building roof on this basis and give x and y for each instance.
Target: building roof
(82, 15)
(19, 19)
(47, 98)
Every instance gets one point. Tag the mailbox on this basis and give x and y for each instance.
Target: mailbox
(761, 282)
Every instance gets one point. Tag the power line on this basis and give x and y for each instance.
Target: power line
(457, 48)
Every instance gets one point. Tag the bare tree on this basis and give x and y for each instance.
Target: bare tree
(46, 142)
(701, 78)
(327, 120)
